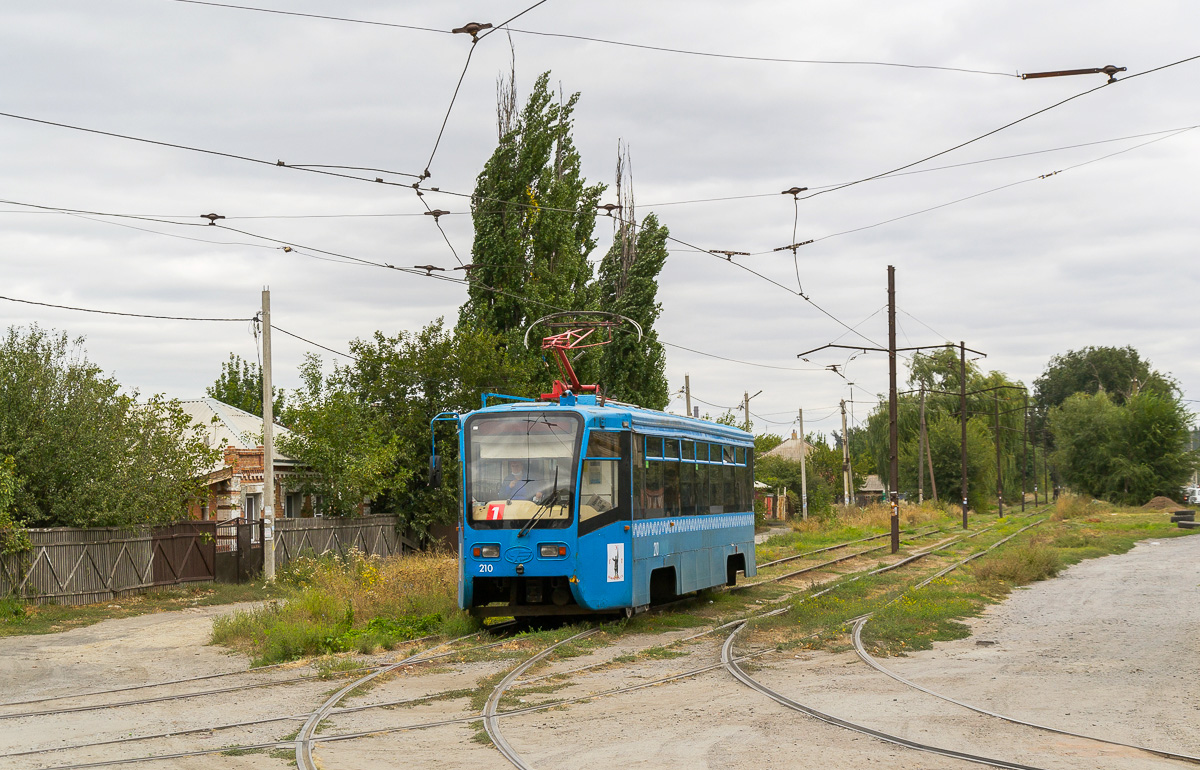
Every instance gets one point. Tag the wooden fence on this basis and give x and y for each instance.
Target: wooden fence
(81, 566)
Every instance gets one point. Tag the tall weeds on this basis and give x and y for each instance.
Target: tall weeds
(336, 604)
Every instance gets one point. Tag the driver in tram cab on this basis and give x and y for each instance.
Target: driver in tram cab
(516, 484)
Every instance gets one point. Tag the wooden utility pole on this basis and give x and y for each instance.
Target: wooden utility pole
(803, 472)
(893, 433)
(999, 475)
(1025, 462)
(845, 459)
(962, 413)
(687, 393)
(746, 406)
(268, 513)
(921, 453)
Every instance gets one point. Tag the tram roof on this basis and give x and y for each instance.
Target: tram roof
(614, 415)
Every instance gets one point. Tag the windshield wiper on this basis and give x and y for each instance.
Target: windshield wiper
(543, 508)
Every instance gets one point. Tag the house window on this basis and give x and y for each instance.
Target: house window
(291, 505)
(252, 508)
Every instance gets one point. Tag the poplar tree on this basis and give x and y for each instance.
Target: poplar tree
(534, 216)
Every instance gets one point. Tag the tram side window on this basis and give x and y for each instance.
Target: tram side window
(687, 488)
(700, 505)
(639, 476)
(652, 496)
(716, 494)
(670, 488)
(604, 488)
(728, 493)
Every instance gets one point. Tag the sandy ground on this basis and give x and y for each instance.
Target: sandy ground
(1107, 649)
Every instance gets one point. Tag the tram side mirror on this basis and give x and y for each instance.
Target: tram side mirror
(435, 471)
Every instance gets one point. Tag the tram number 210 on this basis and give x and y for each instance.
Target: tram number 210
(486, 567)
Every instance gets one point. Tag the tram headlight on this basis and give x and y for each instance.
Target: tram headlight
(551, 550)
(488, 551)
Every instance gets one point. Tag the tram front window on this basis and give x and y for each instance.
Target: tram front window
(521, 467)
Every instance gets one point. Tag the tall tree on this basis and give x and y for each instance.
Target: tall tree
(1124, 453)
(1119, 372)
(631, 369)
(534, 215)
(240, 384)
(84, 453)
(412, 377)
(342, 440)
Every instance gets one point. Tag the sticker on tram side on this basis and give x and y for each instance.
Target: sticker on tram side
(616, 562)
(495, 512)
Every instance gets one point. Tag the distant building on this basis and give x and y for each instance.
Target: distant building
(871, 491)
(791, 449)
(235, 482)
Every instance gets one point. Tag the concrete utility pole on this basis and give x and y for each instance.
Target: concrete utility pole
(687, 393)
(893, 433)
(268, 514)
(845, 459)
(962, 413)
(746, 406)
(803, 472)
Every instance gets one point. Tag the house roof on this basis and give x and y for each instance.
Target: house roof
(227, 425)
(791, 448)
(872, 484)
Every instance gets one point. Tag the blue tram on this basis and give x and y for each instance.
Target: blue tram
(586, 506)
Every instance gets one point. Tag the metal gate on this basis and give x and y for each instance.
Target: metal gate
(239, 553)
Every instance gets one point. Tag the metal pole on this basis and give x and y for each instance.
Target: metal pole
(929, 458)
(845, 459)
(803, 472)
(962, 414)
(999, 478)
(687, 392)
(893, 434)
(1025, 444)
(268, 515)
(921, 453)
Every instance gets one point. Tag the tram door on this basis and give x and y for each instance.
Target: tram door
(604, 519)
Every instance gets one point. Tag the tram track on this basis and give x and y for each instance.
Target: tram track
(732, 665)
(413, 660)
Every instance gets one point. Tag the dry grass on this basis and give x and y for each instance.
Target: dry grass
(874, 516)
(356, 602)
(1074, 506)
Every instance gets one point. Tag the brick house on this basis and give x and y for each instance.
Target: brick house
(235, 482)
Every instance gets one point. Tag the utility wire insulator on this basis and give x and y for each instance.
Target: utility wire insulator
(793, 191)
(608, 208)
(212, 218)
(435, 213)
(793, 246)
(729, 255)
(429, 269)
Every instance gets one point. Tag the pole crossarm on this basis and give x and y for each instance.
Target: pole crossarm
(867, 348)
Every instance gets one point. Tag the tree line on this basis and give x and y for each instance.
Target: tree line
(1098, 420)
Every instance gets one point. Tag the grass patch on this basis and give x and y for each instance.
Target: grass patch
(357, 603)
(18, 618)
(481, 737)
(935, 613)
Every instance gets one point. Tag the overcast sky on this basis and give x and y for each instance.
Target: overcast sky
(1099, 254)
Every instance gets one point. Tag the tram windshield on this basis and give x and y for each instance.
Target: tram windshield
(521, 469)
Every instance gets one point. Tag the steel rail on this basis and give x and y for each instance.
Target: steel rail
(489, 709)
(766, 564)
(304, 738)
(874, 663)
(733, 667)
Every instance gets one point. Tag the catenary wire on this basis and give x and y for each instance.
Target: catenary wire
(1017, 183)
(624, 44)
(120, 313)
(1002, 128)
